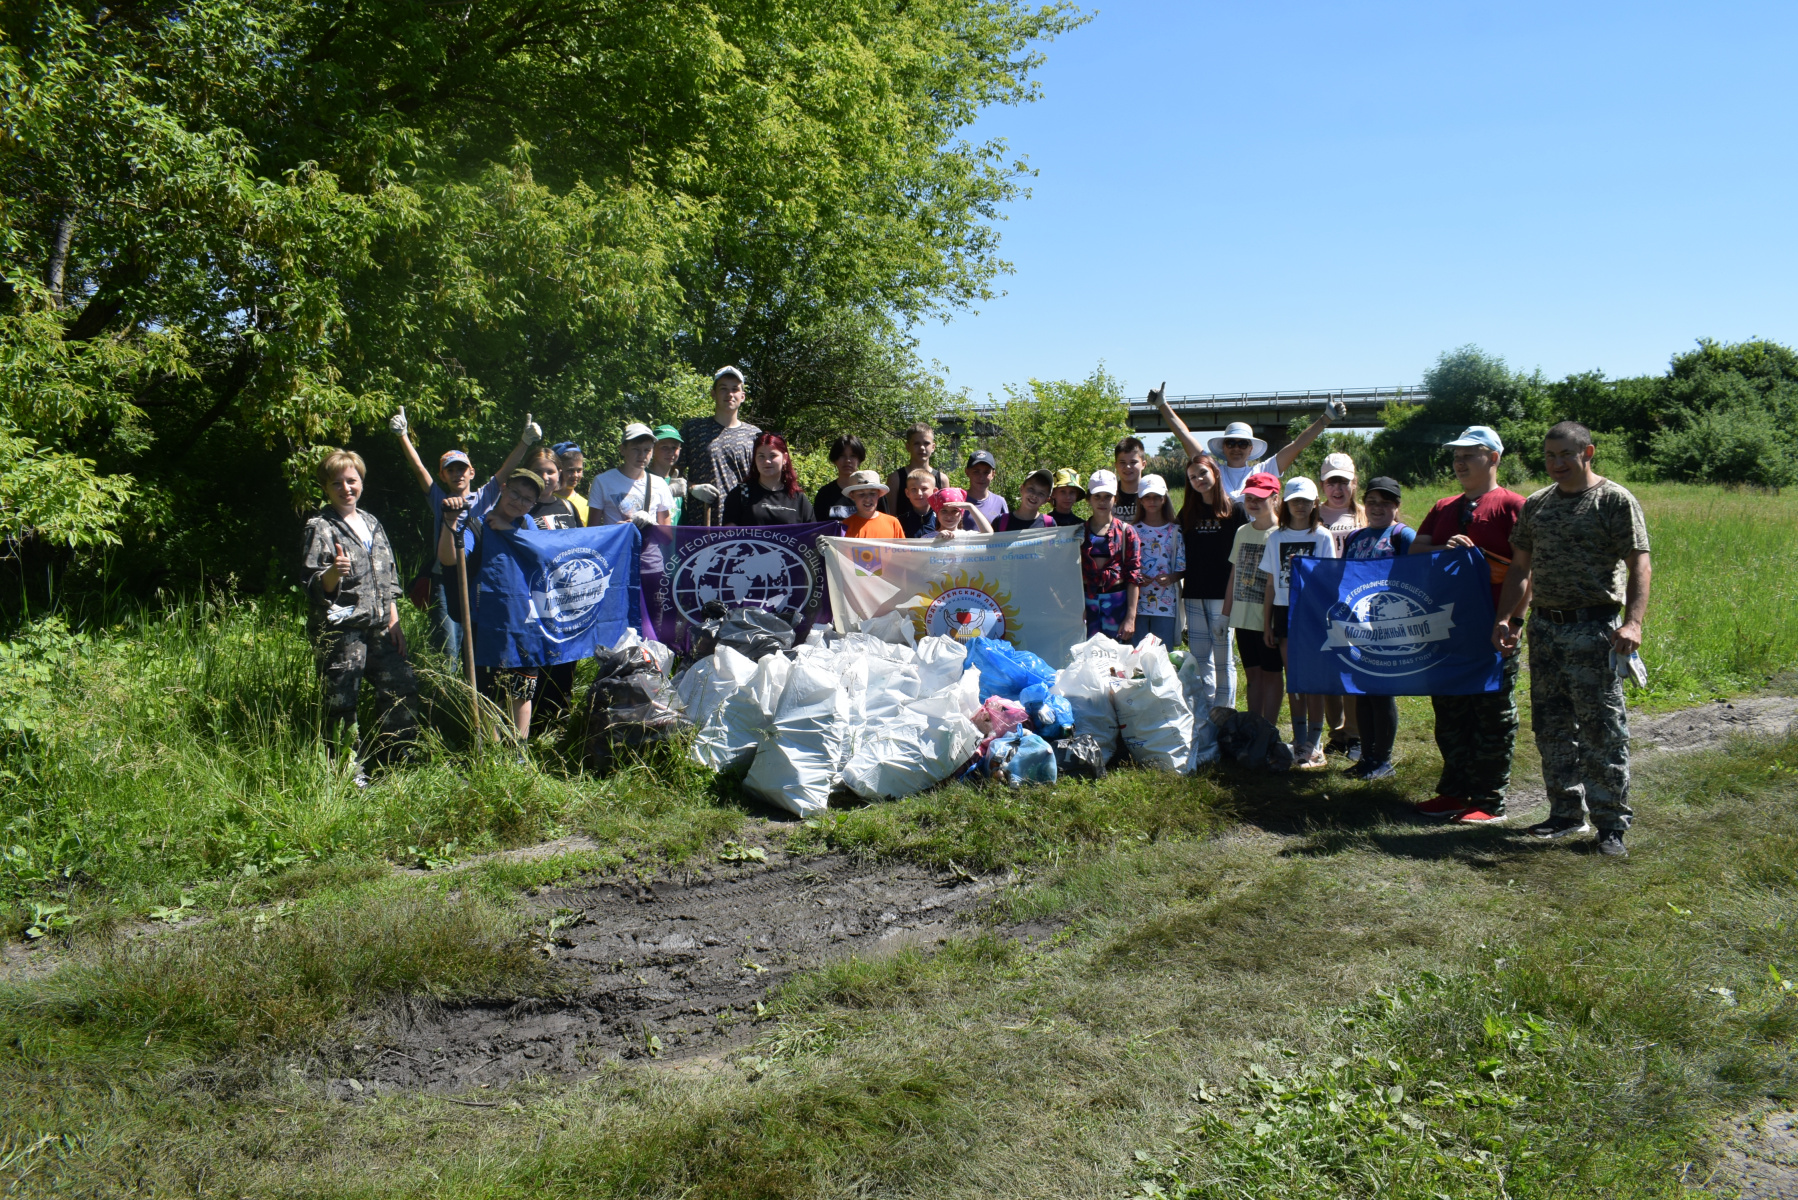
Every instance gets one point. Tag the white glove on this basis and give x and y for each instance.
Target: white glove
(1335, 410)
(533, 432)
(397, 422)
(702, 493)
(677, 487)
(642, 517)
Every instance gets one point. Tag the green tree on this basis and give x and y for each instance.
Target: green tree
(1728, 413)
(1058, 423)
(1466, 387)
(238, 233)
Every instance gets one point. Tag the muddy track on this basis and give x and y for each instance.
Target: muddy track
(661, 969)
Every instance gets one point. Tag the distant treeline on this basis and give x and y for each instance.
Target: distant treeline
(1722, 413)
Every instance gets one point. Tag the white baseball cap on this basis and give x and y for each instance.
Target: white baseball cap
(1152, 485)
(1300, 489)
(1338, 465)
(721, 372)
(635, 430)
(1102, 481)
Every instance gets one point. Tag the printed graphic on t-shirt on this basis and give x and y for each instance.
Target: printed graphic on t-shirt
(1249, 588)
(1288, 552)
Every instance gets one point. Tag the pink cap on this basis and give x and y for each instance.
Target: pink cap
(944, 496)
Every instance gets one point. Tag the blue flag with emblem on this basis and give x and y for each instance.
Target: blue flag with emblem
(1419, 625)
(544, 596)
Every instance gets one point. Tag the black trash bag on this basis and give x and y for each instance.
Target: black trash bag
(631, 704)
(1080, 756)
(1249, 740)
(753, 632)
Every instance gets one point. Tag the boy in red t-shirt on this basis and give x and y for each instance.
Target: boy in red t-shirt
(1475, 734)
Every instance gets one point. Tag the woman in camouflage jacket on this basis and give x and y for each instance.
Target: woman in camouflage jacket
(353, 588)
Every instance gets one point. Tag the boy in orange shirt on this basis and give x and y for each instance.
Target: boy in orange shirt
(865, 490)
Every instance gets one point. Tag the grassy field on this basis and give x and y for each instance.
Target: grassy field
(1260, 987)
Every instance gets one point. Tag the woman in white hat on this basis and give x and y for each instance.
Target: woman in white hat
(1238, 451)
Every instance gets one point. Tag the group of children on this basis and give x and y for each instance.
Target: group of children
(1287, 522)
(1226, 554)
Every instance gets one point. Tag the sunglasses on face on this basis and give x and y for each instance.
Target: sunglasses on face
(1237, 444)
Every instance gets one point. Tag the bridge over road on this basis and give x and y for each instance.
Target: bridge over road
(1268, 412)
(1271, 412)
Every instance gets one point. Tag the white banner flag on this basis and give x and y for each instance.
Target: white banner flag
(1023, 587)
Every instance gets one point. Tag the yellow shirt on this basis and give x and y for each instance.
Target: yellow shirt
(579, 503)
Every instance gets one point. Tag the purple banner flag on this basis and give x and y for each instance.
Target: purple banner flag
(776, 567)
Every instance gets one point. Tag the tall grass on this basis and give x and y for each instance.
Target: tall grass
(183, 744)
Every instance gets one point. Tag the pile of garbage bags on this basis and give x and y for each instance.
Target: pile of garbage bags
(885, 715)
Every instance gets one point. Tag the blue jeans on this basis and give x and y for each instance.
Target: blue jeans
(1211, 680)
(446, 630)
(1166, 628)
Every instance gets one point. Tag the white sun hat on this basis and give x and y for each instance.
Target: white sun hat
(1232, 431)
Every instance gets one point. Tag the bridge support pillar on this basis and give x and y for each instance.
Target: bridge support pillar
(1273, 435)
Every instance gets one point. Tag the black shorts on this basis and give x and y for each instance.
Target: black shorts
(1256, 652)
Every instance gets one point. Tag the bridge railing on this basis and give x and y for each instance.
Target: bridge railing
(1368, 397)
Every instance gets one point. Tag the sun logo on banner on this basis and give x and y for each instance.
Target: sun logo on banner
(961, 607)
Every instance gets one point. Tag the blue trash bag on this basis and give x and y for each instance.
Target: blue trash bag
(1050, 713)
(1005, 670)
(1018, 757)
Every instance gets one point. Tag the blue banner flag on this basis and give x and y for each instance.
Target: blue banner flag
(776, 567)
(544, 597)
(1418, 625)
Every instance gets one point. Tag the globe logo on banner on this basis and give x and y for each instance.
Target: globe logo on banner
(567, 593)
(1387, 628)
(743, 573)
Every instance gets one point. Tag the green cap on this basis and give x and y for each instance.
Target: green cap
(669, 433)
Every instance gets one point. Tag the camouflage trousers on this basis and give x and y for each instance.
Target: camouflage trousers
(1582, 730)
(1476, 736)
(345, 658)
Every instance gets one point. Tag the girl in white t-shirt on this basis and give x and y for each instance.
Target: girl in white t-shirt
(1341, 514)
(1300, 535)
(1163, 564)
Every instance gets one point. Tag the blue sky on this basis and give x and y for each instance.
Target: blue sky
(1285, 195)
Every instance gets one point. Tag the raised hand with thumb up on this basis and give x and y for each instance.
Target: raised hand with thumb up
(397, 422)
(533, 432)
(1158, 396)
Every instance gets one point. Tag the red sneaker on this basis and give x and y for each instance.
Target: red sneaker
(1443, 808)
(1479, 816)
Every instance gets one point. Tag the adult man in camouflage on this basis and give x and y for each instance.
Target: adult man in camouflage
(1582, 549)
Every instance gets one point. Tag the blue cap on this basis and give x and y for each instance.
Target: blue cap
(1479, 435)
(562, 448)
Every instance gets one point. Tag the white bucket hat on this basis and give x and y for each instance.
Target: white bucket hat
(1232, 431)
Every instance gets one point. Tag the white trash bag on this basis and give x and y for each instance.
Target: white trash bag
(708, 683)
(1088, 683)
(796, 766)
(940, 663)
(729, 738)
(904, 758)
(1154, 720)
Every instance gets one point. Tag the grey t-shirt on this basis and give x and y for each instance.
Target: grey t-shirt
(1578, 543)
